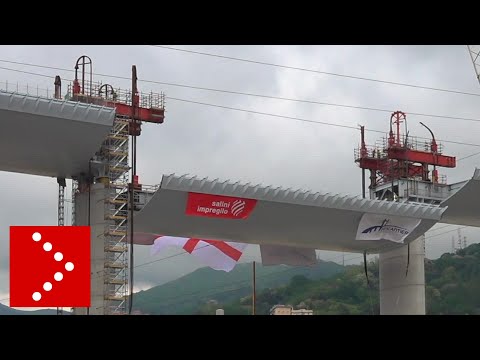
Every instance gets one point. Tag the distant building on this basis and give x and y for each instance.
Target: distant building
(281, 310)
(288, 310)
(302, 312)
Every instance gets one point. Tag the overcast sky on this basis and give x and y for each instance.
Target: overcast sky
(221, 143)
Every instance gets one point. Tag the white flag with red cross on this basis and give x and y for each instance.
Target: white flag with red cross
(224, 255)
(219, 255)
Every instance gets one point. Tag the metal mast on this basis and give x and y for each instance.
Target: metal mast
(61, 181)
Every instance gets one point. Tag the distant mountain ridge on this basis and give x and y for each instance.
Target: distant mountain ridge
(6, 310)
(184, 295)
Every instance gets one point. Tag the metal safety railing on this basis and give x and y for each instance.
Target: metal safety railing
(106, 92)
(26, 89)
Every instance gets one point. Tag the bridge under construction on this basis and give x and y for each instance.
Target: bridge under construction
(93, 129)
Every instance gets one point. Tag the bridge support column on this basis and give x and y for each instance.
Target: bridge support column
(400, 294)
(97, 255)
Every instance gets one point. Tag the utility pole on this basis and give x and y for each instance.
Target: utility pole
(459, 240)
(254, 289)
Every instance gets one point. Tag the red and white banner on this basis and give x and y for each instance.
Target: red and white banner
(223, 255)
(219, 255)
(219, 206)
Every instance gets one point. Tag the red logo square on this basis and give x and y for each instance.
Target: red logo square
(49, 266)
(219, 206)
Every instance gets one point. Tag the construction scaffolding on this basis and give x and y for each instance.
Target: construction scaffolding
(61, 214)
(72, 199)
(115, 152)
(111, 164)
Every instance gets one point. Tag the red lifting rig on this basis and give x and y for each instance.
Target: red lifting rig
(402, 157)
(138, 107)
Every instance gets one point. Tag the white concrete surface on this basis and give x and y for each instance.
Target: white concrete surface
(400, 294)
(97, 223)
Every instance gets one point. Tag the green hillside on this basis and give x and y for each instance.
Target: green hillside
(184, 295)
(452, 287)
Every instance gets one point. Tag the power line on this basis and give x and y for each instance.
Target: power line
(469, 156)
(269, 114)
(286, 117)
(318, 71)
(441, 227)
(171, 256)
(24, 72)
(445, 232)
(305, 120)
(314, 102)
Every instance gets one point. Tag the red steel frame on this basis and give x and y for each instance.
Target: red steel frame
(400, 159)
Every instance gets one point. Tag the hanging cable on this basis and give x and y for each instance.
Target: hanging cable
(89, 183)
(408, 259)
(369, 287)
(132, 207)
(365, 265)
(134, 132)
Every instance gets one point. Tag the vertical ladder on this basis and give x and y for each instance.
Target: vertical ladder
(115, 152)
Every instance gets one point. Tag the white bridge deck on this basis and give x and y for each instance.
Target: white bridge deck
(49, 137)
(280, 217)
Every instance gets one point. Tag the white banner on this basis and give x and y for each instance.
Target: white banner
(384, 227)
